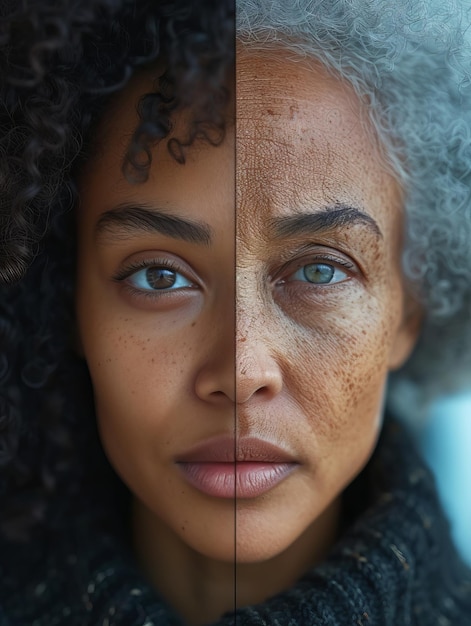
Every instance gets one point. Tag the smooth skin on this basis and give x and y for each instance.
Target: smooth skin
(275, 308)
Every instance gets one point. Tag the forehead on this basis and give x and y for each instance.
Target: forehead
(304, 140)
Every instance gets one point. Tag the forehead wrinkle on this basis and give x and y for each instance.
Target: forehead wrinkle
(288, 126)
(269, 141)
(281, 176)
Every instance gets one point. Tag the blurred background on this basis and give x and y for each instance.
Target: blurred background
(445, 440)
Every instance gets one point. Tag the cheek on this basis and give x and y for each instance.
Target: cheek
(340, 392)
(337, 372)
(138, 381)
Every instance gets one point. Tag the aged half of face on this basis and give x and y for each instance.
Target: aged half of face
(247, 306)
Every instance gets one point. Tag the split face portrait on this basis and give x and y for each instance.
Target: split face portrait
(218, 295)
(317, 285)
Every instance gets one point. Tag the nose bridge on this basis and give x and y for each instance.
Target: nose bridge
(223, 332)
(248, 305)
(215, 378)
(257, 372)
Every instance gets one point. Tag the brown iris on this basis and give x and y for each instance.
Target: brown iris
(160, 277)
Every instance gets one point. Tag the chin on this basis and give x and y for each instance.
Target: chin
(213, 538)
(261, 537)
(250, 552)
(242, 536)
(265, 533)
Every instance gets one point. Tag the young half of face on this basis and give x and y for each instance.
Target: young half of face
(245, 306)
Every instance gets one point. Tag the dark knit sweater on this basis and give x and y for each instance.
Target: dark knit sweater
(394, 565)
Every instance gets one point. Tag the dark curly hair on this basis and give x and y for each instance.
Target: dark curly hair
(61, 61)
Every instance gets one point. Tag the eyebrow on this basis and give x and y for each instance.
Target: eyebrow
(125, 220)
(336, 216)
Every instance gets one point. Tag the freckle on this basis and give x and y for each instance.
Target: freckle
(152, 360)
(270, 112)
(194, 324)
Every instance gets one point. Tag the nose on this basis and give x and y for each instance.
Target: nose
(258, 373)
(240, 367)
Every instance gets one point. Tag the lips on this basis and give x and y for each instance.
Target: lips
(225, 467)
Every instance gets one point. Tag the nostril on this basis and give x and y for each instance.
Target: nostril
(220, 396)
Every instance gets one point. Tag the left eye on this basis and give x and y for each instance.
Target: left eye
(157, 278)
(320, 274)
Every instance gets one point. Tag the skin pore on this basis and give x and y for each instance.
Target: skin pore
(254, 293)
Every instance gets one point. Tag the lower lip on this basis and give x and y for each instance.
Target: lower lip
(235, 480)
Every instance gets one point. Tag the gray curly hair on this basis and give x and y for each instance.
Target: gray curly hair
(412, 60)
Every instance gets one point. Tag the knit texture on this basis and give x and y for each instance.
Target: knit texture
(394, 565)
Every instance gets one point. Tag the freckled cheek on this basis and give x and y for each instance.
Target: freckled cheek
(137, 398)
(337, 374)
(136, 377)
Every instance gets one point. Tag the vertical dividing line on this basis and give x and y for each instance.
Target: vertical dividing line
(234, 88)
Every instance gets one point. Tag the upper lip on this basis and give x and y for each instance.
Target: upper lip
(228, 449)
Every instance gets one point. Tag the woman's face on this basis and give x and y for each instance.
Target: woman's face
(246, 305)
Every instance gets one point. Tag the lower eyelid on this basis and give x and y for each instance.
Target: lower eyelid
(150, 294)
